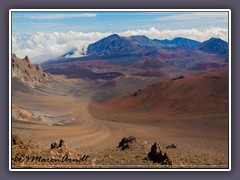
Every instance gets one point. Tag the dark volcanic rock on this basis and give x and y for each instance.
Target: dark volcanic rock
(39, 68)
(60, 145)
(27, 58)
(172, 146)
(54, 145)
(136, 93)
(30, 65)
(124, 143)
(27, 73)
(16, 140)
(179, 77)
(157, 156)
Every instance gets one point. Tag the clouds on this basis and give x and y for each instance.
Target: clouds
(42, 46)
(195, 34)
(53, 16)
(203, 16)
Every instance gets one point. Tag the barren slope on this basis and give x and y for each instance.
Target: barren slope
(199, 94)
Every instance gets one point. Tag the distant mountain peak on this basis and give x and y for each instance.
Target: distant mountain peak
(112, 36)
(179, 41)
(215, 38)
(113, 44)
(213, 42)
(215, 46)
(180, 37)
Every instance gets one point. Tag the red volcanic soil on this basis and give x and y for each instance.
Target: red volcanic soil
(199, 94)
(73, 70)
(210, 66)
(152, 73)
(96, 64)
(147, 63)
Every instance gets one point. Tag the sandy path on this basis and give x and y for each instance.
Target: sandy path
(78, 128)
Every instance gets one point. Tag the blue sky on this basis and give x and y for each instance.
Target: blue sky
(114, 21)
(46, 35)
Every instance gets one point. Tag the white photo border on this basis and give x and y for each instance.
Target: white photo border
(119, 10)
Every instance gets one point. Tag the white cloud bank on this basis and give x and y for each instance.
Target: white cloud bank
(43, 46)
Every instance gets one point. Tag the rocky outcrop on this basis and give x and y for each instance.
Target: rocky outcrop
(61, 143)
(55, 145)
(22, 114)
(39, 68)
(29, 74)
(27, 59)
(30, 155)
(25, 155)
(157, 156)
(125, 142)
(16, 140)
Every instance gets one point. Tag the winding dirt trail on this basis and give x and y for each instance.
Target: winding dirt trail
(65, 116)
